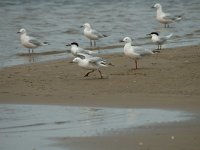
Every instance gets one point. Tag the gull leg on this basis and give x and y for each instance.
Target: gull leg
(100, 74)
(136, 64)
(94, 43)
(86, 75)
(167, 25)
(90, 42)
(29, 50)
(32, 51)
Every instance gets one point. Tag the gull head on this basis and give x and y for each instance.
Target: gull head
(73, 43)
(154, 34)
(87, 25)
(157, 6)
(22, 31)
(127, 40)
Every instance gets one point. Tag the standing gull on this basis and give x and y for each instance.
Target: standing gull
(90, 63)
(75, 49)
(159, 40)
(29, 42)
(92, 34)
(165, 18)
(134, 52)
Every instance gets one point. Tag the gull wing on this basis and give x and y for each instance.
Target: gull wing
(164, 38)
(142, 51)
(98, 34)
(83, 56)
(35, 42)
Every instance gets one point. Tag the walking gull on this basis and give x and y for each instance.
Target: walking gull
(91, 63)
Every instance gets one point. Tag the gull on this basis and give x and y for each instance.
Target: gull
(28, 41)
(75, 49)
(92, 34)
(134, 52)
(159, 40)
(165, 18)
(90, 63)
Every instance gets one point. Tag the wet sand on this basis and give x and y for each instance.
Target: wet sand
(169, 80)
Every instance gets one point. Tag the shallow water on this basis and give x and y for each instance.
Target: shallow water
(58, 22)
(34, 126)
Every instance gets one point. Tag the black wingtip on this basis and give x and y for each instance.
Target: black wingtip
(156, 51)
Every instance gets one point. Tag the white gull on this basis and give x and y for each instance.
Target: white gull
(75, 49)
(29, 42)
(165, 18)
(135, 52)
(91, 63)
(92, 34)
(159, 40)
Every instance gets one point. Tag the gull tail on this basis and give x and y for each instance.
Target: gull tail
(105, 63)
(105, 35)
(45, 43)
(156, 51)
(178, 18)
(90, 52)
(169, 36)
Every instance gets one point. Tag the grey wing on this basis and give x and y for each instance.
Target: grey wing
(163, 39)
(35, 42)
(98, 34)
(142, 51)
(173, 18)
(95, 59)
(98, 61)
(83, 56)
(84, 51)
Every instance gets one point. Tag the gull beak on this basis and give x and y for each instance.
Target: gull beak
(68, 45)
(121, 41)
(18, 32)
(152, 7)
(81, 26)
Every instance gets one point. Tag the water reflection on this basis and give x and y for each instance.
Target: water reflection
(36, 123)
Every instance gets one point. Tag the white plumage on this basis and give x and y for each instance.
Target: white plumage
(75, 49)
(90, 63)
(165, 18)
(159, 40)
(28, 41)
(134, 52)
(92, 34)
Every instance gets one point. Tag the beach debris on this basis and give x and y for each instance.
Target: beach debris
(172, 137)
(140, 144)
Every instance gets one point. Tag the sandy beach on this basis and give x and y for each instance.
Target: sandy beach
(167, 80)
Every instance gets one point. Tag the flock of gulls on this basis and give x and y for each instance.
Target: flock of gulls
(87, 58)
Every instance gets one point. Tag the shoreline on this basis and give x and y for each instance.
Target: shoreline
(60, 51)
(171, 75)
(167, 80)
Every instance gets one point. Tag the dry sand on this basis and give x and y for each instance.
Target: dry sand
(170, 81)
